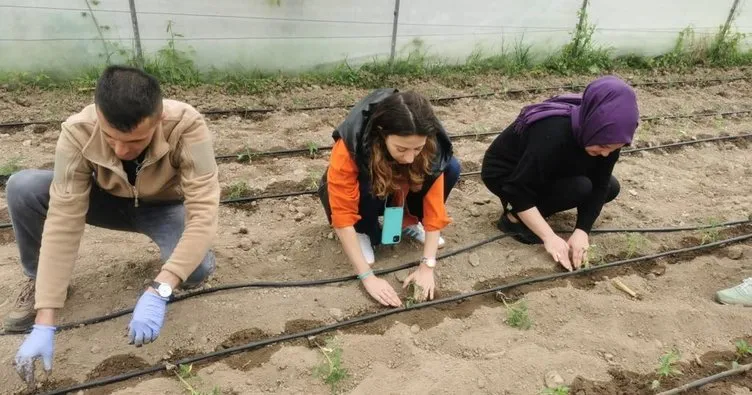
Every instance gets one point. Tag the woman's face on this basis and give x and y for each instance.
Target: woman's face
(404, 149)
(602, 149)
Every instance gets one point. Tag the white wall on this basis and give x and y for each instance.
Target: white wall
(304, 34)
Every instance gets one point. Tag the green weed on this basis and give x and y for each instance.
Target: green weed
(560, 390)
(743, 349)
(667, 364)
(9, 167)
(185, 373)
(635, 243)
(331, 370)
(713, 233)
(517, 315)
(238, 189)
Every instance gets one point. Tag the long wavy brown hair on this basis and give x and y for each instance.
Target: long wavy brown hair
(402, 114)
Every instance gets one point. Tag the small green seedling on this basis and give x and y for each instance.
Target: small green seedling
(517, 316)
(238, 189)
(331, 370)
(667, 366)
(10, 167)
(594, 255)
(560, 390)
(313, 149)
(414, 294)
(635, 242)
(712, 234)
(185, 373)
(743, 349)
(246, 156)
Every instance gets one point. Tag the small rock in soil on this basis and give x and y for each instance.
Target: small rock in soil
(553, 379)
(39, 129)
(415, 329)
(236, 265)
(734, 252)
(474, 259)
(304, 210)
(474, 212)
(26, 143)
(336, 313)
(299, 217)
(650, 276)
(633, 192)
(330, 236)
(243, 230)
(87, 295)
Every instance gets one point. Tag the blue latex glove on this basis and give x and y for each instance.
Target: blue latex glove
(39, 343)
(148, 317)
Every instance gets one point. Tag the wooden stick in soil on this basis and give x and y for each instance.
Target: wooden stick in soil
(709, 379)
(620, 285)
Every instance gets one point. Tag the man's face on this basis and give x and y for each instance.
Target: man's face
(128, 146)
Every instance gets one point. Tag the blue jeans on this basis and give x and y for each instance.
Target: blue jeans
(28, 200)
(370, 208)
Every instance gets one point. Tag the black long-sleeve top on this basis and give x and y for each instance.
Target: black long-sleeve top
(525, 164)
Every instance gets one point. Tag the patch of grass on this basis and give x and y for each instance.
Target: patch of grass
(238, 189)
(184, 373)
(175, 65)
(517, 315)
(10, 166)
(560, 390)
(331, 370)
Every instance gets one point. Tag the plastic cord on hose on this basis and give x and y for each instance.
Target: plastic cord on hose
(385, 313)
(311, 283)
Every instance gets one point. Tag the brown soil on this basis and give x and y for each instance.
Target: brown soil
(461, 347)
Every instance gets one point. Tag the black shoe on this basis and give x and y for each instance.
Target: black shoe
(519, 231)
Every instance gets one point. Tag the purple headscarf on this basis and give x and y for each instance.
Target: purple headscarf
(606, 113)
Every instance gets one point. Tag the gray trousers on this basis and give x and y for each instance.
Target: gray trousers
(28, 194)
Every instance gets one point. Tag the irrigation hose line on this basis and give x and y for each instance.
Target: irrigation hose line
(465, 174)
(385, 313)
(267, 110)
(298, 151)
(313, 283)
(709, 379)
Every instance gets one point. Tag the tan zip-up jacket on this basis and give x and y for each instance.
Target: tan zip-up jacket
(179, 165)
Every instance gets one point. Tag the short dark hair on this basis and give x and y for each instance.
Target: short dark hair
(126, 96)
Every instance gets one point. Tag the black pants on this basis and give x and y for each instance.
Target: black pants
(564, 194)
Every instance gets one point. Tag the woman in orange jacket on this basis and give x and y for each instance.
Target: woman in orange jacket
(391, 158)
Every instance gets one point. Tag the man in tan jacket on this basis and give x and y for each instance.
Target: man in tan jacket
(134, 162)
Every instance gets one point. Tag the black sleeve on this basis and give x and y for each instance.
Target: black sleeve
(520, 189)
(589, 211)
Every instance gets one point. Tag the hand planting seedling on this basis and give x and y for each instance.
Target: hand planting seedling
(331, 370)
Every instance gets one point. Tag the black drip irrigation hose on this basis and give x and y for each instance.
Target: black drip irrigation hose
(247, 155)
(465, 174)
(385, 313)
(314, 283)
(267, 110)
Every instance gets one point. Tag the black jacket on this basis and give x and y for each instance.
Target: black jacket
(352, 131)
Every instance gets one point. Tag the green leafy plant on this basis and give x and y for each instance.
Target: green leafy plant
(713, 233)
(559, 390)
(9, 167)
(743, 349)
(517, 315)
(185, 373)
(635, 242)
(414, 294)
(331, 370)
(667, 364)
(313, 149)
(238, 189)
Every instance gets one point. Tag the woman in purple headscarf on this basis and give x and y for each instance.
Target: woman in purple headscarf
(559, 155)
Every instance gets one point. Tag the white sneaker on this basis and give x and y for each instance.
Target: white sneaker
(366, 247)
(418, 233)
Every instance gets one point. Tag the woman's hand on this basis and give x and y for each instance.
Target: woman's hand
(423, 278)
(382, 291)
(578, 244)
(559, 250)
